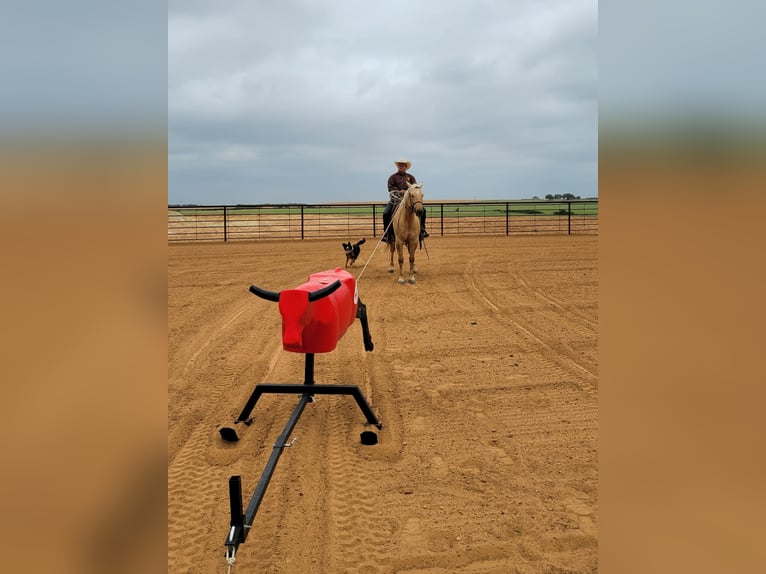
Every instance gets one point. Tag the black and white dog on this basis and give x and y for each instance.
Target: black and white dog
(352, 251)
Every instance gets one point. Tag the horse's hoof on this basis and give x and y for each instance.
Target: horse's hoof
(391, 270)
(415, 271)
(401, 281)
(412, 280)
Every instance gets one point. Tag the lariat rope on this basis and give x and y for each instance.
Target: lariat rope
(377, 244)
(230, 559)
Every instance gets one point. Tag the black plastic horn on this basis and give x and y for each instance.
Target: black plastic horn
(263, 294)
(324, 291)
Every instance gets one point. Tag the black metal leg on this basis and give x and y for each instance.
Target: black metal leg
(365, 408)
(308, 371)
(237, 530)
(244, 416)
(361, 314)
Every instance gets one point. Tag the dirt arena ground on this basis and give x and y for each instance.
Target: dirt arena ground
(484, 375)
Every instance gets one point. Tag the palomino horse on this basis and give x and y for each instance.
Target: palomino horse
(406, 225)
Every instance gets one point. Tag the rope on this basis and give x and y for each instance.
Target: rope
(230, 560)
(374, 250)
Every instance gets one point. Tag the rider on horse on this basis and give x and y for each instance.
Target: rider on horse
(397, 185)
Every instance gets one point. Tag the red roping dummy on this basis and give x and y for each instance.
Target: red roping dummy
(316, 314)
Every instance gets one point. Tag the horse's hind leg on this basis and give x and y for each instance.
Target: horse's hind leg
(391, 260)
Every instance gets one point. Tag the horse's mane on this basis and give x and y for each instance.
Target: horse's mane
(405, 195)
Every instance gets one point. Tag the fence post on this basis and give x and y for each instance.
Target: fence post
(225, 226)
(441, 218)
(507, 218)
(374, 221)
(569, 218)
(301, 222)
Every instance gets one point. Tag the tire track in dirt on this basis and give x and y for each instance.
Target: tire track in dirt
(556, 352)
(351, 497)
(200, 472)
(189, 481)
(204, 338)
(511, 420)
(556, 406)
(424, 414)
(210, 380)
(203, 448)
(539, 415)
(558, 305)
(348, 483)
(520, 452)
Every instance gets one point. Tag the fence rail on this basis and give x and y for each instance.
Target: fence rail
(352, 220)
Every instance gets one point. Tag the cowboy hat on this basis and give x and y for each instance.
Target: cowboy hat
(404, 161)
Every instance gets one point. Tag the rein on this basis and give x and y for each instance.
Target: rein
(414, 203)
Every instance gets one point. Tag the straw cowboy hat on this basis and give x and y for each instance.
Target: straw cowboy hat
(404, 161)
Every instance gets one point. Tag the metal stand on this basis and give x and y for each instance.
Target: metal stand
(308, 388)
(241, 522)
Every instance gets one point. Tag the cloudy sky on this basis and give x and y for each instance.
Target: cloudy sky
(312, 101)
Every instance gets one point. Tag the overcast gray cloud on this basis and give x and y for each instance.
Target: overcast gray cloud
(309, 101)
(666, 61)
(81, 65)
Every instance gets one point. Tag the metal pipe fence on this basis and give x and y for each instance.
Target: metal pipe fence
(355, 220)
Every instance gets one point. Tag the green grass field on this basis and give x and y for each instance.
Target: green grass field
(448, 210)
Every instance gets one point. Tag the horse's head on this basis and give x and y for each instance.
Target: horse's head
(414, 197)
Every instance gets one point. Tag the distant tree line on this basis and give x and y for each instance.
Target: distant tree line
(559, 196)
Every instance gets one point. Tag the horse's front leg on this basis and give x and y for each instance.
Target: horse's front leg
(413, 270)
(400, 256)
(391, 260)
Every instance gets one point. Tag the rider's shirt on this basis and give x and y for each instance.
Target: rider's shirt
(398, 184)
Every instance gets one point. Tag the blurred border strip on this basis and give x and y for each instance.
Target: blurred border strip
(83, 189)
(682, 175)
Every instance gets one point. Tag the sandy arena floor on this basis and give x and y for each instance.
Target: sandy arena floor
(484, 375)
